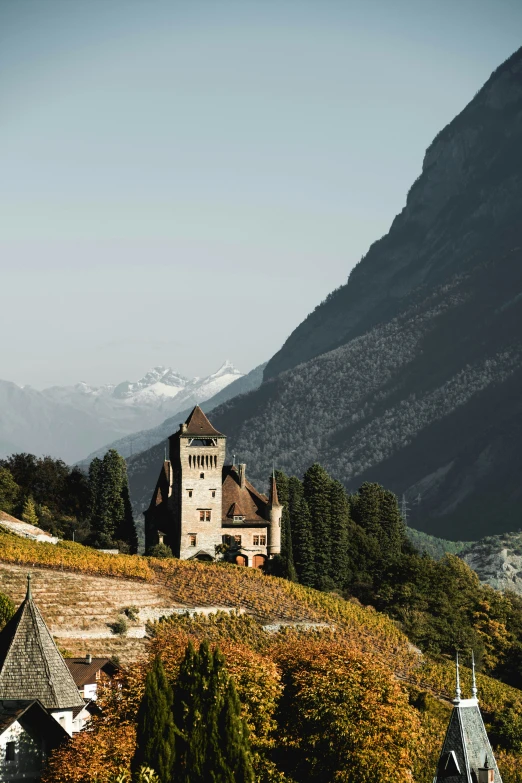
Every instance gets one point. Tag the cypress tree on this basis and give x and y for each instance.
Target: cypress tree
(302, 536)
(111, 510)
(126, 531)
(316, 485)
(211, 738)
(155, 726)
(29, 514)
(340, 517)
(286, 559)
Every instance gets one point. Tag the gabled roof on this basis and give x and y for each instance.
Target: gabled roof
(235, 510)
(31, 666)
(84, 672)
(198, 424)
(34, 719)
(252, 504)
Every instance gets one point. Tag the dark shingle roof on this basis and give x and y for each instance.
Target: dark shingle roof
(467, 743)
(31, 666)
(198, 424)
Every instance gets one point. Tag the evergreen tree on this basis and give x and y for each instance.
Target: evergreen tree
(302, 536)
(316, 485)
(340, 519)
(111, 511)
(211, 739)
(29, 514)
(286, 559)
(9, 490)
(376, 510)
(155, 725)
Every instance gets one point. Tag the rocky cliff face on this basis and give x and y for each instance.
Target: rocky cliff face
(410, 375)
(498, 561)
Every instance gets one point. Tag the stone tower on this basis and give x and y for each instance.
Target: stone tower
(275, 512)
(197, 456)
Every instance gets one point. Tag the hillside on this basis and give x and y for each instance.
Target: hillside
(266, 622)
(410, 374)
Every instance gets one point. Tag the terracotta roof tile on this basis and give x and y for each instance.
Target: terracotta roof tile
(198, 424)
(252, 503)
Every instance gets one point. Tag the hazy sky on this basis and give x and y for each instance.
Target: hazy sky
(182, 181)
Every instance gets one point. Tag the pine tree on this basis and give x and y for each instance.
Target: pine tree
(286, 559)
(155, 738)
(211, 738)
(29, 514)
(302, 536)
(340, 519)
(126, 531)
(376, 510)
(316, 485)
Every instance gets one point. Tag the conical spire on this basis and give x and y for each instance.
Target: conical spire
(274, 500)
(456, 700)
(474, 681)
(31, 666)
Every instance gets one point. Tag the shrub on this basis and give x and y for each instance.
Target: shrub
(7, 610)
(132, 613)
(160, 550)
(119, 626)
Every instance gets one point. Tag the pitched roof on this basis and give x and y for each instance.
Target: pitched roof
(252, 503)
(33, 718)
(198, 424)
(84, 672)
(466, 746)
(235, 510)
(274, 500)
(31, 666)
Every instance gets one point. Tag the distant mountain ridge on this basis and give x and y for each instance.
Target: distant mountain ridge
(411, 373)
(72, 421)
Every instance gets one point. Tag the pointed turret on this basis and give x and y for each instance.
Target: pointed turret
(275, 512)
(31, 666)
(467, 756)
(198, 424)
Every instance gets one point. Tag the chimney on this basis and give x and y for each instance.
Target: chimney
(88, 658)
(486, 773)
(242, 475)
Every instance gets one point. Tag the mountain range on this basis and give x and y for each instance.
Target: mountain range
(410, 374)
(71, 421)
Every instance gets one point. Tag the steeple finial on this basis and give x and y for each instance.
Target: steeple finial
(29, 596)
(474, 681)
(456, 700)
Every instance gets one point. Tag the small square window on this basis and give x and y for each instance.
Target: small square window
(204, 515)
(255, 540)
(10, 751)
(213, 493)
(237, 540)
(189, 493)
(262, 540)
(202, 475)
(193, 540)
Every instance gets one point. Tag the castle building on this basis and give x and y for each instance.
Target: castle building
(40, 705)
(467, 756)
(202, 507)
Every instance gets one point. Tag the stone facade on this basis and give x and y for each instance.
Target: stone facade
(203, 508)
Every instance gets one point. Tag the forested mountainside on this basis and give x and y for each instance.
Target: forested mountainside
(140, 441)
(461, 211)
(410, 375)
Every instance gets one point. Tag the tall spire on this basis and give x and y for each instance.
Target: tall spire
(274, 500)
(456, 700)
(29, 596)
(474, 681)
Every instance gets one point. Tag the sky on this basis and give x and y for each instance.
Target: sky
(183, 181)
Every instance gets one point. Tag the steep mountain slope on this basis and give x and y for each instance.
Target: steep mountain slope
(410, 375)
(71, 421)
(141, 441)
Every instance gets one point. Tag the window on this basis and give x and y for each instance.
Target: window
(227, 540)
(259, 540)
(189, 493)
(202, 475)
(237, 540)
(10, 751)
(204, 515)
(213, 493)
(98, 675)
(193, 539)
